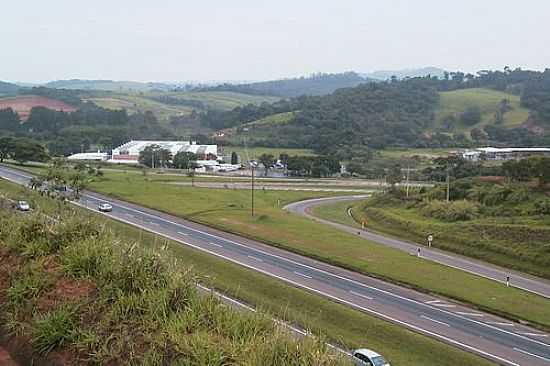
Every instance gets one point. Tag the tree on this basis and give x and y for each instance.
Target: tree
(234, 158)
(394, 176)
(154, 156)
(9, 120)
(478, 134)
(78, 181)
(7, 145)
(471, 116)
(184, 160)
(267, 161)
(27, 150)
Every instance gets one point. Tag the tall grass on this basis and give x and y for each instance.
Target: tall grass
(139, 307)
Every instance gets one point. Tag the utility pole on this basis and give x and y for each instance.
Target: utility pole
(252, 167)
(408, 173)
(448, 186)
(152, 158)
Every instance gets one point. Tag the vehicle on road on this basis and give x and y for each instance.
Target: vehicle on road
(22, 206)
(105, 207)
(367, 357)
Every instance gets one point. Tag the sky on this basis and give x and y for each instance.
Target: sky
(206, 40)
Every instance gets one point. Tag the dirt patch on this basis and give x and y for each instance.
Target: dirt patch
(66, 290)
(23, 105)
(5, 358)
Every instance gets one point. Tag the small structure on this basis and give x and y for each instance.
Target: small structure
(512, 153)
(97, 156)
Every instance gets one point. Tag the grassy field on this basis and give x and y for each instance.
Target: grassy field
(409, 153)
(338, 323)
(256, 152)
(456, 102)
(230, 210)
(223, 100)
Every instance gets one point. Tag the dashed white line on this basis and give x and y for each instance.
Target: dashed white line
(303, 275)
(435, 321)
(533, 334)
(504, 324)
(433, 301)
(154, 223)
(445, 305)
(255, 258)
(216, 245)
(182, 233)
(360, 295)
(532, 354)
(470, 314)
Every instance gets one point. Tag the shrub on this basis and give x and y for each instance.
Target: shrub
(54, 329)
(542, 207)
(450, 211)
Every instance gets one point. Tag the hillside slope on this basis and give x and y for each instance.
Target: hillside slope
(454, 103)
(24, 103)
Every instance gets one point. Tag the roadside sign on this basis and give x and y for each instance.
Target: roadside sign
(430, 240)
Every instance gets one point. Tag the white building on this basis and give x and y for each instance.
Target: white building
(129, 152)
(98, 156)
(512, 153)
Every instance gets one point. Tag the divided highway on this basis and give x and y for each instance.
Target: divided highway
(505, 342)
(522, 281)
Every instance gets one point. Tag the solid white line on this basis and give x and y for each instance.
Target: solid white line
(533, 334)
(337, 276)
(335, 298)
(435, 321)
(433, 301)
(182, 233)
(303, 275)
(532, 354)
(360, 295)
(470, 314)
(216, 245)
(502, 323)
(255, 258)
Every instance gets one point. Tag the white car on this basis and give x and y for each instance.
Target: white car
(23, 206)
(367, 357)
(105, 207)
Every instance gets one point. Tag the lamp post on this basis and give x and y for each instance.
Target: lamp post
(252, 168)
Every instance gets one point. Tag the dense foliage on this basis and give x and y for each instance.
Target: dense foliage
(317, 84)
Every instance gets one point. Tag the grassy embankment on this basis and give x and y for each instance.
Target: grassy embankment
(230, 210)
(339, 323)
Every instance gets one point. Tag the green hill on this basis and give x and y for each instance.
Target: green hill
(454, 103)
(222, 100)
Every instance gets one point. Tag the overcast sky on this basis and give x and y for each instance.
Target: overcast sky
(179, 40)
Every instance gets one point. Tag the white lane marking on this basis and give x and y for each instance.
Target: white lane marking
(340, 277)
(478, 315)
(445, 305)
(533, 334)
(303, 275)
(255, 258)
(319, 292)
(216, 245)
(531, 354)
(504, 324)
(435, 321)
(433, 301)
(182, 233)
(154, 223)
(360, 295)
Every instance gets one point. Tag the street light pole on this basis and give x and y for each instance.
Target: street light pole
(252, 167)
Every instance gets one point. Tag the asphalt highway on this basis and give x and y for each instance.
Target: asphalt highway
(495, 338)
(519, 280)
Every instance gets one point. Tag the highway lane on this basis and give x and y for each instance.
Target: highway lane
(519, 280)
(505, 342)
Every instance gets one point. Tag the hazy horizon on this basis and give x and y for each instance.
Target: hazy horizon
(170, 41)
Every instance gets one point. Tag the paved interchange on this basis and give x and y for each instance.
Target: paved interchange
(498, 339)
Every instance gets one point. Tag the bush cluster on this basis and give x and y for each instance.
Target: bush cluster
(450, 211)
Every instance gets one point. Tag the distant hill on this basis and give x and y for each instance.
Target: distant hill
(24, 103)
(8, 88)
(317, 84)
(108, 85)
(402, 74)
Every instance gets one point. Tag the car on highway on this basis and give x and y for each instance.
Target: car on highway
(367, 357)
(105, 207)
(22, 206)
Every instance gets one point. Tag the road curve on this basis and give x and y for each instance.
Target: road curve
(519, 280)
(492, 337)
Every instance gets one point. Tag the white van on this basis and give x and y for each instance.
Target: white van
(366, 357)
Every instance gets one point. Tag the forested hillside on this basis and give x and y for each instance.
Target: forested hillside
(8, 88)
(317, 84)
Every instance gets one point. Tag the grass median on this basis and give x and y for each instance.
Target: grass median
(337, 322)
(229, 210)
